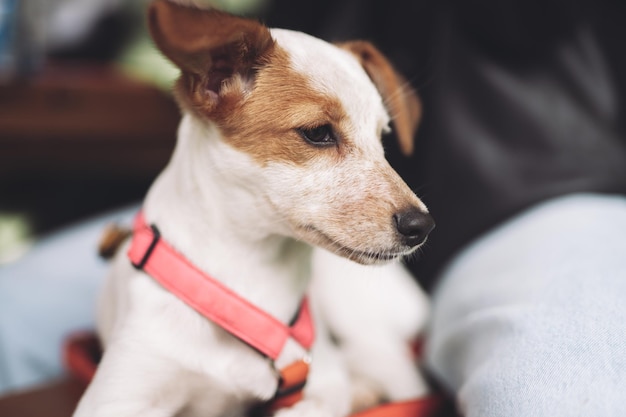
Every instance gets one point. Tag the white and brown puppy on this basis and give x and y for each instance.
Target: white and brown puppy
(279, 149)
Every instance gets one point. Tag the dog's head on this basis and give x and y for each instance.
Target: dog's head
(303, 119)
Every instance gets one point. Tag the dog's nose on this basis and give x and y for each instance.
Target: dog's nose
(414, 225)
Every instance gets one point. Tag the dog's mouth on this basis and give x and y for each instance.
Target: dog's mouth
(367, 257)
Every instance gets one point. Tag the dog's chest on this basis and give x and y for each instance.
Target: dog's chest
(207, 363)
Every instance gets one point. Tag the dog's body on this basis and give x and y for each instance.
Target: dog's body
(279, 149)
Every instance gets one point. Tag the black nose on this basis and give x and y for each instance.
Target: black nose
(414, 225)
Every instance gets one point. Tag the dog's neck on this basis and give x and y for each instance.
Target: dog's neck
(209, 209)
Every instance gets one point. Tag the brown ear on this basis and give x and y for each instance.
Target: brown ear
(209, 46)
(401, 101)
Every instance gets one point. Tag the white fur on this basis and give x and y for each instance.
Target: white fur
(237, 220)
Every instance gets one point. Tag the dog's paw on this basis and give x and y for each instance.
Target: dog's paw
(255, 378)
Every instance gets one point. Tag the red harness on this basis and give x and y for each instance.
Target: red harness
(150, 253)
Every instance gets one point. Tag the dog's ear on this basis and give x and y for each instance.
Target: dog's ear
(213, 49)
(401, 101)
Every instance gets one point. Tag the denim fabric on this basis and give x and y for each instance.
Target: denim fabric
(530, 320)
(46, 295)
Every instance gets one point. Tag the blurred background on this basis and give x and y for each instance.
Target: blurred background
(86, 119)
(523, 101)
(86, 115)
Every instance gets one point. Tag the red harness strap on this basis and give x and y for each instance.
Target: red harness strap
(149, 252)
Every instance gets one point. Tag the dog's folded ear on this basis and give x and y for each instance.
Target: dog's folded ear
(213, 49)
(400, 100)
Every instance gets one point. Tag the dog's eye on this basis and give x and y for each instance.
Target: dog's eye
(319, 136)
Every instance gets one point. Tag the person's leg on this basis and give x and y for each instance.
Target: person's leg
(45, 296)
(530, 321)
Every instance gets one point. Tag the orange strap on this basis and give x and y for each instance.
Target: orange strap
(290, 386)
(81, 354)
(422, 407)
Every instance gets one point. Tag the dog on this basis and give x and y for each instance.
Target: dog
(279, 151)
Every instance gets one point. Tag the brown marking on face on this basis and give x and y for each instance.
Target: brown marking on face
(262, 121)
(234, 74)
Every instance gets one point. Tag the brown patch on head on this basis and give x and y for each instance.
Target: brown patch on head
(265, 123)
(235, 75)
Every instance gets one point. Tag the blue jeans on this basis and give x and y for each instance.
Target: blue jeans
(530, 320)
(45, 296)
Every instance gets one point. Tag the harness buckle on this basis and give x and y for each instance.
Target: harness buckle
(291, 382)
(156, 235)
